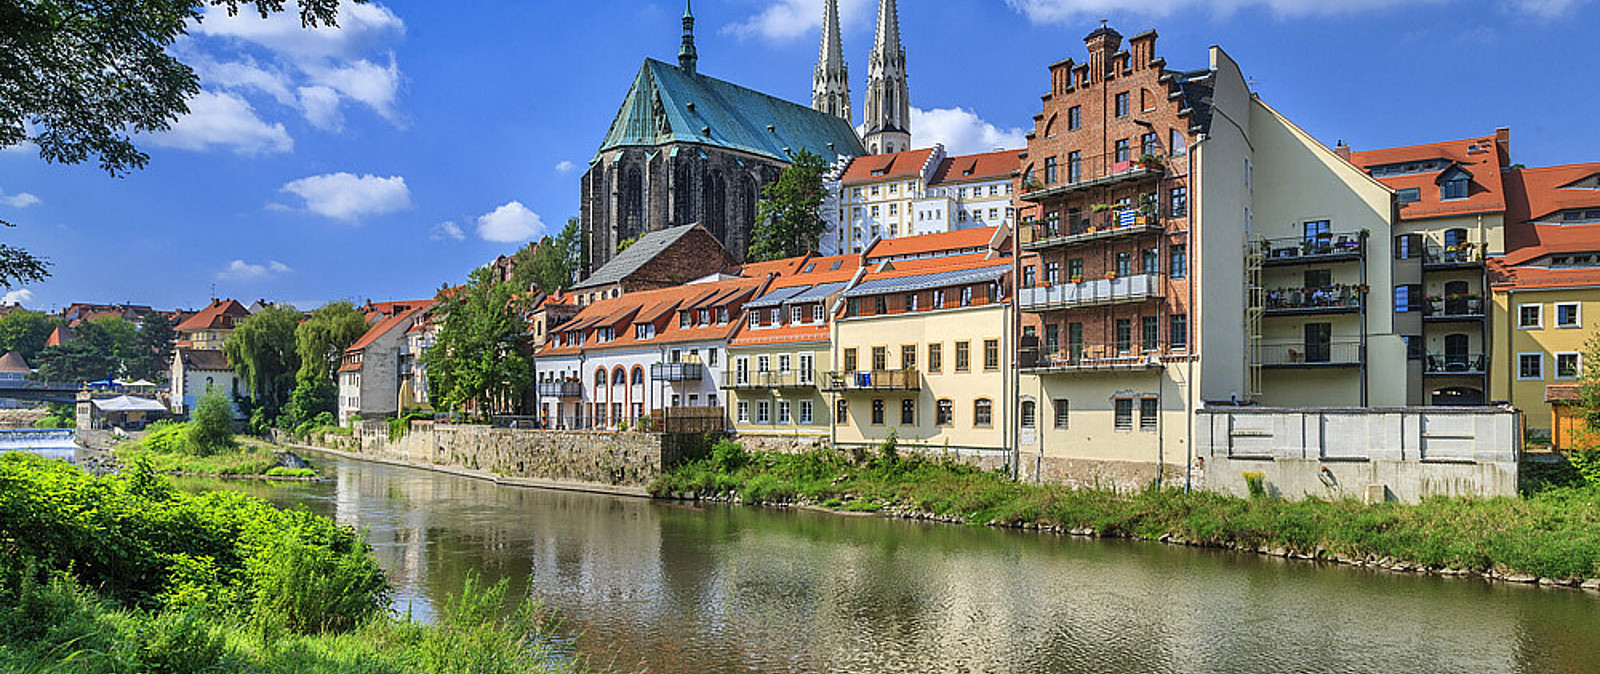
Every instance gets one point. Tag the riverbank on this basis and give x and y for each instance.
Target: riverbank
(496, 478)
(1551, 538)
(119, 574)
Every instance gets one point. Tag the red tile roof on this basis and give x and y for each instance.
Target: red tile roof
(969, 167)
(783, 267)
(61, 335)
(1534, 194)
(1484, 157)
(873, 168)
(927, 244)
(621, 312)
(220, 315)
(383, 326)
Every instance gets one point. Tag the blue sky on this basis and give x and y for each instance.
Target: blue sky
(423, 138)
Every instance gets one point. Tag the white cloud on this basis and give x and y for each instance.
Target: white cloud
(224, 120)
(511, 223)
(312, 69)
(18, 200)
(345, 196)
(447, 230)
(1544, 9)
(239, 270)
(785, 20)
(17, 296)
(566, 167)
(1062, 11)
(962, 131)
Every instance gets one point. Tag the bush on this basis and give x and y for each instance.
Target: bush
(728, 456)
(210, 428)
(282, 471)
(1256, 482)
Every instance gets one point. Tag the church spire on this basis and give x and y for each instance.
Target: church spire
(830, 85)
(687, 56)
(888, 113)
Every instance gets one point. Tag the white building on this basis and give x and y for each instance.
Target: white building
(369, 374)
(923, 191)
(195, 371)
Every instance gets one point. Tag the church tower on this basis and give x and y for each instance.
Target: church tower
(688, 57)
(888, 113)
(830, 85)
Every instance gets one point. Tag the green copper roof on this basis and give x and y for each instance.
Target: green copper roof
(695, 108)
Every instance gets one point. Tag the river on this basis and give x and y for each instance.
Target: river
(53, 443)
(666, 588)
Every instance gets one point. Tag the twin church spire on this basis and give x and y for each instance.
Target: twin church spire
(887, 117)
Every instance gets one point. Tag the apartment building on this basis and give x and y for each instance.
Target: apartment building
(1546, 295)
(372, 375)
(622, 360)
(1140, 298)
(775, 359)
(1452, 205)
(922, 351)
(918, 192)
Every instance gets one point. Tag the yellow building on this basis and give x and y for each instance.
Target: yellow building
(1547, 294)
(776, 358)
(923, 350)
(1451, 201)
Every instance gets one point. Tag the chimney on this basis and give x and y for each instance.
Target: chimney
(1342, 150)
(1102, 43)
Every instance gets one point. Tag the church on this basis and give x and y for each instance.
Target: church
(687, 148)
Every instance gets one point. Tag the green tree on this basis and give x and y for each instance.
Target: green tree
(76, 361)
(152, 357)
(551, 265)
(17, 266)
(789, 217)
(261, 350)
(479, 356)
(25, 332)
(113, 336)
(320, 342)
(210, 428)
(1589, 383)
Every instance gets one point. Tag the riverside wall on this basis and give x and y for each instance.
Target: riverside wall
(629, 461)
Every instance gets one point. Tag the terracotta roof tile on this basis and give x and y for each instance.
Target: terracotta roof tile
(382, 327)
(220, 315)
(961, 239)
(613, 311)
(970, 167)
(1483, 157)
(873, 168)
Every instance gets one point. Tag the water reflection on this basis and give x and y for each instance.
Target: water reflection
(676, 588)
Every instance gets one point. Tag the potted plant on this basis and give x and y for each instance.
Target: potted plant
(1099, 208)
(1150, 161)
(1077, 279)
(1111, 276)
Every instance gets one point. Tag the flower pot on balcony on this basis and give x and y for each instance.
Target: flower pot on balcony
(1077, 279)
(1111, 276)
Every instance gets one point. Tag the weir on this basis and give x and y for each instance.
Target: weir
(37, 437)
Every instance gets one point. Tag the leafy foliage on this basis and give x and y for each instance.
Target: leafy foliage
(479, 360)
(320, 341)
(25, 332)
(789, 216)
(210, 428)
(152, 354)
(262, 351)
(551, 265)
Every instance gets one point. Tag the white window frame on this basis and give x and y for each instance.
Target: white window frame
(763, 411)
(755, 320)
(1539, 324)
(1538, 355)
(806, 416)
(817, 314)
(763, 363)
(1577, 315)
(1556, 359)
(783, 412)
(797, 315)
(743, 412)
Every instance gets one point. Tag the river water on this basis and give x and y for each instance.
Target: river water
(667, 588)
(52, 443)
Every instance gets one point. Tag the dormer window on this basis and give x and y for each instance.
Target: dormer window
(1455, 188)
(645, 330)
(685, 319)
(755, 319)
(1409, 195)
(605, 334)
(705, 316)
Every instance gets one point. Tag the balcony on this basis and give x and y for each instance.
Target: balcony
(781, 379)
(1042, 235)
(1344, 352)
(1136, 288)
(1458, 256)
(1454, 308)
(1469, 364)
(1320, 249)
(685, 371)
(561, 389)
(1076, 358)
(846, 381)
(1334, 299)
(1094, 171)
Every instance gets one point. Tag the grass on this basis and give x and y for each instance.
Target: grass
(1552, 534)
(168, 451)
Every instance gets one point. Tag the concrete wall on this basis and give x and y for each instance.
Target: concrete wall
(1404, 454)
(579, 457)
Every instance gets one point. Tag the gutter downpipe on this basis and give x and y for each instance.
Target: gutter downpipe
(1194, 346)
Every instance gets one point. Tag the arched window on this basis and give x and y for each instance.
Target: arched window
(619, 377)
(683, 194)
(632, 204)
(714, 205)
(944, 412)
(983, 413)
(1050, 127)
(638, 375)
(1028, 414)
(751, 196)
(1455, 298)
(600, 378)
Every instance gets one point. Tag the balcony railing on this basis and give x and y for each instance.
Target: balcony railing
(1041, 235)
(1328, 299)
(871, 380)
(1075, 357)
(1455, 308)
(561, 389)
(1092, 171)
(1342, 352)
(1456, 363)
(749, 379)
(1463, 254)
(1136, 288)
(1322, 248)
(677, 371)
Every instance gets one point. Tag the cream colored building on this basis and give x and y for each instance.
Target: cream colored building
(905, 194)
(922, 351)
(1233, 259)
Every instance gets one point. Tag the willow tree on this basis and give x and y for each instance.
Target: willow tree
(261, 350)
(479, 357)
(320, 342)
